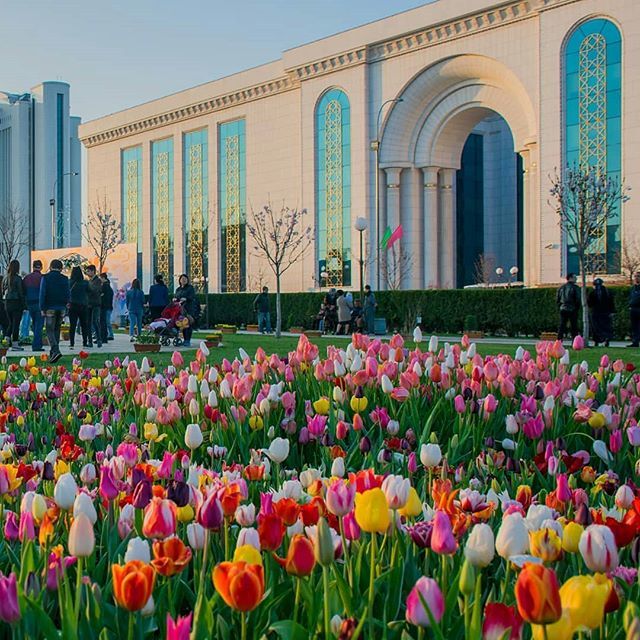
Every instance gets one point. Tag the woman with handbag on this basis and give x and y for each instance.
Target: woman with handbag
(14, 302)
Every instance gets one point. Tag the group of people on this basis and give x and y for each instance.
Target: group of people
(601, 305)
(341, 314)
(86, 297)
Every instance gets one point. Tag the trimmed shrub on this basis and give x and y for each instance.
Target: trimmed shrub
(508, 312)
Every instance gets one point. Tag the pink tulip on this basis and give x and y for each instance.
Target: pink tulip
(425, 592)
(615, 441)
(177, 360)
(9, 606)
(179, 629)
(490, 404)
(11, 529)
(442, 539)
(159, 518)
(459, 404)
(563, 492)
(351, 527)
(578, 343)
(340, 497)
(26, 528)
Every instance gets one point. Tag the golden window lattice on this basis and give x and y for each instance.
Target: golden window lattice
(333, 190)
(162, 213)
(132, 213)
(592, 129)
(196, 228)
(232, 213)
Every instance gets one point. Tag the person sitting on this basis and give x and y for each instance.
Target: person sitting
(357, 317)
(344, 313)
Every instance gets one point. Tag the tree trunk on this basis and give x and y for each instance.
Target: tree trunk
(583, 300)
(278, 307)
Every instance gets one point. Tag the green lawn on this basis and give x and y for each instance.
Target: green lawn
(232, 343)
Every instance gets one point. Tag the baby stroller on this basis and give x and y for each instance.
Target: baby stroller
(167, 327)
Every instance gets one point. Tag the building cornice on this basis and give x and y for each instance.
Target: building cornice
(493, 17)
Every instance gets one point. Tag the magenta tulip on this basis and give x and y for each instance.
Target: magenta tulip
(9, 607)
(425, 592)
(442, 539)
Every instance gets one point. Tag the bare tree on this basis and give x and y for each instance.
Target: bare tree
(14, 235)
(102, 232)
(484, 268)
(281, 240)
(395, 269)
(585, 198)
(255, 283)
(630, 258)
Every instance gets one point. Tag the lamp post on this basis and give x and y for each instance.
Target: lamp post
(361, 226)
(375, 146)
(52, 204)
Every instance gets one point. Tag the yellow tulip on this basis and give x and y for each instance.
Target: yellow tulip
(20, 421)
(11, 474)
(247, 553)
(413, 506)
(60, 467)
(321, 406)
(584, 597)
(256, 422)
(358, 404)
(372, 512)
(186, 513)
(561, 630)
(150, 431)
(3, 375)
(597, 420)
(34, 371)
(571, 537)
(545, 544)
(31, 362)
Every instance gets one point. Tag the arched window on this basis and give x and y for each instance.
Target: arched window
(593, 121)
(333, 188)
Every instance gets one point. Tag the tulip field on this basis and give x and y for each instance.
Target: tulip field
(368, 489)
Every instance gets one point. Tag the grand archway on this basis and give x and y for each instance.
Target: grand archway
(421, 160)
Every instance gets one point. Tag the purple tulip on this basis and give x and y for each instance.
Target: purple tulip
(442, 539)
(9, 607)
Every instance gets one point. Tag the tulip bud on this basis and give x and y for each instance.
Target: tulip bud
(324, 551)
(81, 537)
(467, 581)
(279, 450)
(64, 492)
(193, 436)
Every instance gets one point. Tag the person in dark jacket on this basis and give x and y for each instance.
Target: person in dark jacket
(54, 298)
(14, 302)
(262, 307)
(135, 307)
(601, 309)
(568, 301)
(4, 321)
(634, 310)
(78, 307)
(106, 306)
(158, 297)
(94, 298)
(32, 290)
(186, 295)
(369, 310)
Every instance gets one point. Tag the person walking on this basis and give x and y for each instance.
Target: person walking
(14, 303)
(94, 299)
(32, 290)
(106, 308)
(78, 307)
(263, 308)
(4, 321)
(135, 306)
(369, 310)
(54, 298)
(158, 297)
(601, 308)
(634, 310)
(568, 301)
(344, 313)
(186, 295)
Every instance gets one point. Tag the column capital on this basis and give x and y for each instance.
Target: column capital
(447, 178)
(393, 177)
(430, 177)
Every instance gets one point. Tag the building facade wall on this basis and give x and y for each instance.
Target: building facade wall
(449, 66)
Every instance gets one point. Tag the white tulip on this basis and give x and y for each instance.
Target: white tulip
(82, 539)
(417, 335)
(624, 497)
(196, 536)
(396, 491)
(598, 548)
(138, 549)
(212, 399)
(149, 608)
(430, 455)
(279, 450)
(337, 467)
(171, 393)
(519, 353)
(600, 449)
(65, 490)
(480, 547)
(204, 350)
(581, 391)
(245, 515)
(292, 489)
(549, 403)
(386, 384)
(193, 436)
(537, 514)
(84, 504)
(145, 367)
(513, 536)
(204, 388)
(511, 424)
(433, 344)
(248, 536)
(339, 370)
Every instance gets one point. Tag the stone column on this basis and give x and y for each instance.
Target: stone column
(430, 218)
(447, 228)
(531, 217)
(393, 215)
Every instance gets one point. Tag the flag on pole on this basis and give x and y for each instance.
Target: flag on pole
(385, 238)
(395, 236)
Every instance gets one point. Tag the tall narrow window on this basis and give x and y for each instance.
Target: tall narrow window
(59, 230)
(196, 205)
(232, 198)
(333, 187)
(593, 125)
(131, 201)
(162, 207)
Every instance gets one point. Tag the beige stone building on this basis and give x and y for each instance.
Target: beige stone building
(454, 114)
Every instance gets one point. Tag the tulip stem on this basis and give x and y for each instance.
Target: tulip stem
(243, 626)
(297, 601)
(372, 577)
(203, 570)
(76, 610)
(544, 632)
(507, 575)
(131, 625)
(344, 552)
(327, 614)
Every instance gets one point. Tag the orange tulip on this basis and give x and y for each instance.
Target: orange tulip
(132, 584)
(538, 594)
(288, 509)
(171, 556)
(241, 585)
(230, 498)
(300, 558)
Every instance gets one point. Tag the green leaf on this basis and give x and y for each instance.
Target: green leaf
(344, 590)
(45, 625)
(289, 630)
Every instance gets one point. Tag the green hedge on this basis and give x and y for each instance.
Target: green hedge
(511, 312)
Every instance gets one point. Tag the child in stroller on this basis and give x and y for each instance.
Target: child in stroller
(169, 324)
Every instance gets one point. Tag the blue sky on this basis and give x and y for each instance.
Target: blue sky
(118, 53)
